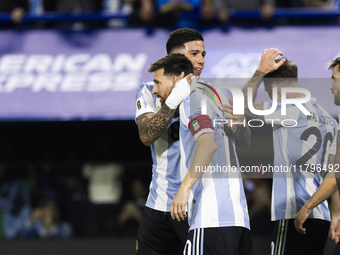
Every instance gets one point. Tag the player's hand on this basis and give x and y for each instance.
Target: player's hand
(179, 92)
(268, 63)
(335, 228)
(228, 113)
(177, 209)
(300, 218)
(188, 77)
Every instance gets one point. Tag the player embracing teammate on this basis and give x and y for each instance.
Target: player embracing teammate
(156, 113)
(178, 124)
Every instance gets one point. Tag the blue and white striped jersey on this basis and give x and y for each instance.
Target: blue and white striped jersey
(166, 176)
(311, 141)
(218, 197)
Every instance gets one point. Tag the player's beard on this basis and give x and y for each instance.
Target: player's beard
(337, 99)
(162, 101)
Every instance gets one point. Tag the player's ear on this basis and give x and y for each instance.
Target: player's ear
(174, 79)
(278, 91)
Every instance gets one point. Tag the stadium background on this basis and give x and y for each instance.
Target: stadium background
(67, 90)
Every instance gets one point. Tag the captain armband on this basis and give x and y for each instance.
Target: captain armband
(199, 125)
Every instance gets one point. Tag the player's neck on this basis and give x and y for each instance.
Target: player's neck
(294, 95)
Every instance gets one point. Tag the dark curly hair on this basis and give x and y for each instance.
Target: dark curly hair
(334, 63)
(173, 64)
(180, 36)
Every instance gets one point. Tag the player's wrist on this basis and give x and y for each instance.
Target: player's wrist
(309, 207)
(186, 184)
(178, 94)
(170, 105)
(263, 70)
(335, 214)
(186, 187)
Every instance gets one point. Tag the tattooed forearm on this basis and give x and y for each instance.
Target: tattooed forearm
(253, 83)
(151, 126)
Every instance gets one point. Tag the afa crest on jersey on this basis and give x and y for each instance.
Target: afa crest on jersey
(139, 105)
(195, 125)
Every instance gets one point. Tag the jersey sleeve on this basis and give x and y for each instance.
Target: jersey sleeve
(339, 121)
(276, 118)
(144, 100)
(197, 122)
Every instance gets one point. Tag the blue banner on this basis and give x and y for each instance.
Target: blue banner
(51, 74)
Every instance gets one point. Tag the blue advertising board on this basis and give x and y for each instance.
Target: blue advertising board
(62, 75)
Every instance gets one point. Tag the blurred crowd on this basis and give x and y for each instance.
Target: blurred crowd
(157, 12)
(61, 202)
(91, 200)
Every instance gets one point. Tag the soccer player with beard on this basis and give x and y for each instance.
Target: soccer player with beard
(157, 119)
(329, 186)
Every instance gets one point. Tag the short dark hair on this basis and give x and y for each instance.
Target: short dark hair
(173, 64)
(334, 63)
(288, 71)
(180, 36)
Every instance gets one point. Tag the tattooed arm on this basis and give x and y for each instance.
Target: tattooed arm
(266, 66)
(151, 126)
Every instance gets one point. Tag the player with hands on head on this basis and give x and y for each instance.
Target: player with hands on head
(295, 147)
(267, 65)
